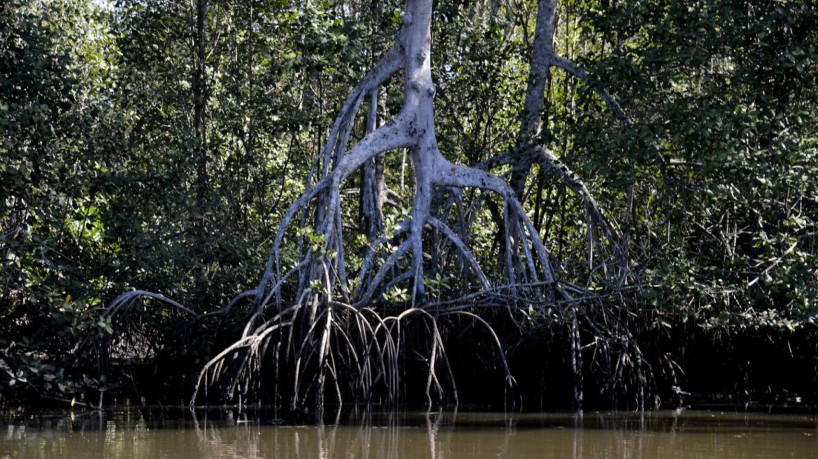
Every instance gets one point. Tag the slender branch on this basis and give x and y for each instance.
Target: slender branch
(607, 97)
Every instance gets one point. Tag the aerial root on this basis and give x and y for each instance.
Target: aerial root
(124, 302)
(360, 351)
(616, 360)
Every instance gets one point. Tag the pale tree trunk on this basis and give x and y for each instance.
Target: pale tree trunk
(530, 151)
(412, 128)
(542, 58)
(525, 262)
(523, 280)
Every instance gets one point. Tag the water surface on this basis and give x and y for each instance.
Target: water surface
(136, 433)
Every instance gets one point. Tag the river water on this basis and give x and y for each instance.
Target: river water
(133, 433)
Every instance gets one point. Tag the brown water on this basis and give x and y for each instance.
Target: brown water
(687, 434)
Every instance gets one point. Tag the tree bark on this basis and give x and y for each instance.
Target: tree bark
(412, 128)
(542, 58)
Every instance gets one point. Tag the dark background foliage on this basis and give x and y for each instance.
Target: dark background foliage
(154, 145)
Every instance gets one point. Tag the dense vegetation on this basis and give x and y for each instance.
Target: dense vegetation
(153, 145)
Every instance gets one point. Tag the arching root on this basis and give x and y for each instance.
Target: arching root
(366, 348)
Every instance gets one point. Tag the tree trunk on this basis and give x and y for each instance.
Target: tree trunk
(542, 58)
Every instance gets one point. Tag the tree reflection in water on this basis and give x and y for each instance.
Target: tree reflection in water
(226, 434)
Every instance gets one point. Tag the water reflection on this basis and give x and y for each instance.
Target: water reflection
(135, 433)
